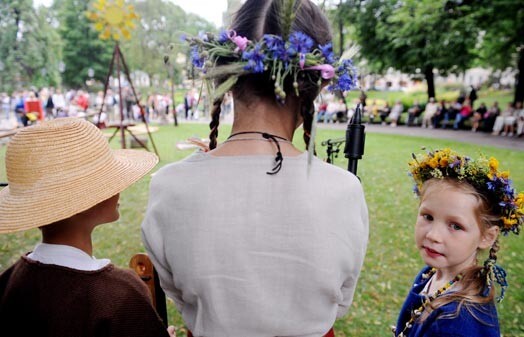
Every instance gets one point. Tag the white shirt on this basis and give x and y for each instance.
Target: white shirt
(243, 253)
(66, 256)
(59, 101)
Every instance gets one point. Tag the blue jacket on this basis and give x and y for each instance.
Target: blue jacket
(479, 321)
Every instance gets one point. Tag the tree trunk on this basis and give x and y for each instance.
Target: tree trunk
(519, 85)
(341, 32)
(428, 73)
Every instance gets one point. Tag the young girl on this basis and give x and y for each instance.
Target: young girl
(464, 205)
(65, 180)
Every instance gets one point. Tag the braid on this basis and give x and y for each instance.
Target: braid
(493, 250)
(307, 116)
(215, 121)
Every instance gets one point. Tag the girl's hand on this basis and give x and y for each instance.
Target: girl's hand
(171, 331)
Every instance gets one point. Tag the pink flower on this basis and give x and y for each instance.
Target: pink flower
(240, 41)
(326, 71)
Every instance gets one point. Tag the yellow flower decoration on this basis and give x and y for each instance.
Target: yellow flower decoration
(433, 162)
(113, 19)
(493, 164)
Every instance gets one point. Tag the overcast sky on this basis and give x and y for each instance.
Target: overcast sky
(210, 10)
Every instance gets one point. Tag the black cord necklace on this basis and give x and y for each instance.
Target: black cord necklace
(279, 158)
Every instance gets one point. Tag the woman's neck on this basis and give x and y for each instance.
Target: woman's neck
(266, 117)
(261, 117)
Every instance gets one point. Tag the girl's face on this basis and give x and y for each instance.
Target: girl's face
(447, 232)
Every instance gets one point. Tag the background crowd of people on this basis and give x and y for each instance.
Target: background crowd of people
(25, 107)
(457, 114)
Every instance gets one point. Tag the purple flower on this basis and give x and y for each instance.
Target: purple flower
(327, 52)
(299, 43)
(255, 59)
(196, 59)
(223, 36)
(241, 42)
(455, 163)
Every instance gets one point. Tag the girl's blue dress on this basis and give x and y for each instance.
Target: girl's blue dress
(479, 321)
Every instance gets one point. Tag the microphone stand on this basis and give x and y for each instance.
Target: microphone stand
(355, 139)
(333, 148)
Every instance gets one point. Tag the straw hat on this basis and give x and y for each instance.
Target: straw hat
(63, 167)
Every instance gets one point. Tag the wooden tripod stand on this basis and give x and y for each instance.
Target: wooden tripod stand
(123, 126)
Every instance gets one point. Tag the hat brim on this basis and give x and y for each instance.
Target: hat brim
(40, 206)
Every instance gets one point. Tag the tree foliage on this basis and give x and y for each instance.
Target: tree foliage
(502, 22)
(28, 46)
(158, 34)
(414, 36)
(82, 49)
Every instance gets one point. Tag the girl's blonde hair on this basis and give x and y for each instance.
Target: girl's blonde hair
(471, 292)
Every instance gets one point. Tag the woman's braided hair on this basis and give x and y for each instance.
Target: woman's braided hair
(256, 18)
(215, 121)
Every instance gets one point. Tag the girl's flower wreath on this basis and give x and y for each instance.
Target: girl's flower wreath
(482, 174)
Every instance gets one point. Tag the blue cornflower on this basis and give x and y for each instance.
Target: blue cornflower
(299, 43)
(346, 65)
(508, 190)
(273, 42)
(276, 46)
(491, 185)
(255, 59)
(196, 59)
(183, 38)
(223, 36)
(327, 52)
(345, 82)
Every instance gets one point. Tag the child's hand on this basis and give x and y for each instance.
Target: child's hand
(171, 331)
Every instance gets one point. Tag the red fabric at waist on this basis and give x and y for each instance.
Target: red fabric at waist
(330, 333)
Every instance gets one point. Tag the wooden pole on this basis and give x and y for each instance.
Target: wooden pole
(120, 103)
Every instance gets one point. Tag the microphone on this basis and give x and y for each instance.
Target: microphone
(355, 139)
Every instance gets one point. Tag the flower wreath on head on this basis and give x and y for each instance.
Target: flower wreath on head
(483, 174)
(281, 58)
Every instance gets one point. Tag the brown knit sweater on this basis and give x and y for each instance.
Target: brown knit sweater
(47, 300)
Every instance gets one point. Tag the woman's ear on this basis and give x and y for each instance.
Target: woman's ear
(489, 237)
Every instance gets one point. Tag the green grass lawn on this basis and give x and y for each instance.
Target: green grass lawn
(391, 261)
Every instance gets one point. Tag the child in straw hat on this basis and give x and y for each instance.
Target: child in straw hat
(64, 179)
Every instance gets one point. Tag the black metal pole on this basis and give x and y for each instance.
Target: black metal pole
(355, 139)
